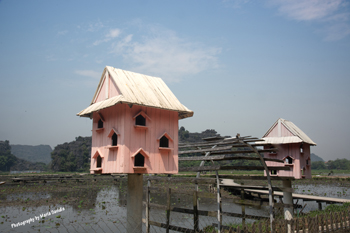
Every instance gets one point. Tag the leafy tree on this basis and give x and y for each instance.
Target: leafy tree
(339, 164)
(72, 156)
(6, 158)
(318, 165)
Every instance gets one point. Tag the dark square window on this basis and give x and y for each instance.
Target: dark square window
(140, 120)
(99, 161)
(100, 124)
(139, 160)
(164, 142)
(114, 139)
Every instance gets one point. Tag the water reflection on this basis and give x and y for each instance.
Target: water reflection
(91, 209)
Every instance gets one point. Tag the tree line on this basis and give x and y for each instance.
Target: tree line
(338, 164)
(76, 156)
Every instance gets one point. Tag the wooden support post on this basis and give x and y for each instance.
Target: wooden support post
(319, 205)
(271, 199)
(134, 203)
(218, 196)
(201, 165)
(195, 213)
(331, 217)
(328, 223)
(147, 206)
(243, 207)
(288, 199)
(168, 210)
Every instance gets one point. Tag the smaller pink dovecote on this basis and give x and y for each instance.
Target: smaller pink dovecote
(293, 148)
(135, 124)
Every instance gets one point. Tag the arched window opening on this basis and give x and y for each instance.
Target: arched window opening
(273, 172)
(100, 124)
(164, 142)
(289, 160)
(139, 160)
(114, 139)
(99, 161)
(140, 120)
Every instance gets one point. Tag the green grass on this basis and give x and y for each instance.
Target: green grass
(325, 172)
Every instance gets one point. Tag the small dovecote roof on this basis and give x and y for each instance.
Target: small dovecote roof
(136, 89)
(297, 134)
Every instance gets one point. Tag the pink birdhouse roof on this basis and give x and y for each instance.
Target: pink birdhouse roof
(133, 88)
(296, 134)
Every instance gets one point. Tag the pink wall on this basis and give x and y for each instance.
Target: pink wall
(131, 139)
(275, 132)
(299, 162)
(108, 88)
(299, 169)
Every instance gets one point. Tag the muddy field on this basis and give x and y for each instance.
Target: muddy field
(98, 204)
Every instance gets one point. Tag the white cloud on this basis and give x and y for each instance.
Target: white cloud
(307, 9)
(337, 31)
(88, 73)
(113, 33)
(162, 53)
(332, 15)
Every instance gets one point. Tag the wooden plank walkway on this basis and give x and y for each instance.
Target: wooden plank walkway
(303, 196)
(263, 190)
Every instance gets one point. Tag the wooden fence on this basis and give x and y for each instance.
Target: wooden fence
(328, 222)
(195, 212)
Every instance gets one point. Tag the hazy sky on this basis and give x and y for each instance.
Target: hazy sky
(238, 64)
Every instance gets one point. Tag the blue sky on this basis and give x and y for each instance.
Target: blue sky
(238, 64)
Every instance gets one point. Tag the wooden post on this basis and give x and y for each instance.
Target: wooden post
(243, 207)
(319, 205)
(328, 219)
(168, 210)
(195, 213)
(267, 228)
(148, 206)
(253, 227)
(288, 199)
(331, 217)
(218, 196)
(260, 228)
(199, 173)
(269, 184)
(322, 222)
(134, 203)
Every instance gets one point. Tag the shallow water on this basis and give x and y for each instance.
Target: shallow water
(104, 209)
(328, 189)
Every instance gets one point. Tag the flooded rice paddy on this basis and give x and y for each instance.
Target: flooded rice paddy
(100, 206)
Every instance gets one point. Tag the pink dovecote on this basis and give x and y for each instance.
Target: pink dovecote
(293, 148)
(135, 124)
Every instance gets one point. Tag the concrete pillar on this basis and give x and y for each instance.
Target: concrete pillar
(288, 199)
(134, 203)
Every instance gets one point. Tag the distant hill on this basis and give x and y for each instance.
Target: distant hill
(315, 158)
(72, 156)
(41, 153)
(9, 162)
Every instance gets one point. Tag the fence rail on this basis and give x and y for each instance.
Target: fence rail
(328, 222)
